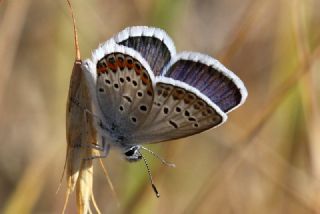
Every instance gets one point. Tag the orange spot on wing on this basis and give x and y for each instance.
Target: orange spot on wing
(149, 92)
(102, 70)
(144, 80)
(120, 64)
(129, 63)
(113, 67)
(138, 72)
(137, 68)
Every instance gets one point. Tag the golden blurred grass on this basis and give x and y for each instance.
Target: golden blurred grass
(264, 160)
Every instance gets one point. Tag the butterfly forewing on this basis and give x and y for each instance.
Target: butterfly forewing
(124, 91)
(210, 77)
(153, 44)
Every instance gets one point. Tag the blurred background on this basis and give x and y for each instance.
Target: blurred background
(265, 159)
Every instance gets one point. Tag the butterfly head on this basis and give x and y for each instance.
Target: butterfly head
(132, 154)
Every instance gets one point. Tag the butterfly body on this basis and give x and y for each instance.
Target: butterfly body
(143, 92)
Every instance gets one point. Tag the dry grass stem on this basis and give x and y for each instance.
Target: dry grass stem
(106, 173)
(242, 29)
(80, 134)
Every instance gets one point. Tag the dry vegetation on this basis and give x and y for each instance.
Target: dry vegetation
(265, 159)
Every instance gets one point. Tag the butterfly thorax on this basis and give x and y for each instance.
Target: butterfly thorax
(119, 138)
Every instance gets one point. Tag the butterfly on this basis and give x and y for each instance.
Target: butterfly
(144, 92)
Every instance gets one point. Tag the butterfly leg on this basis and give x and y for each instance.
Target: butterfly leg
(89, 115)
(104, 147)
(97, 146)
(104, 150)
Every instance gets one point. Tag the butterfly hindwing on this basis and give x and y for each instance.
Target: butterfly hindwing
(178, 111)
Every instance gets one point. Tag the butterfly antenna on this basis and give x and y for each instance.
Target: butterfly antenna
(150, 177)
(160, 158)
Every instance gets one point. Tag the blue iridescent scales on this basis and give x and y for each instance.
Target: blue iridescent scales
(145, 92)
(221, 90)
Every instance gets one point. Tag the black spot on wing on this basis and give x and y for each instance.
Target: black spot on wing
(172, 123)
(127, 98)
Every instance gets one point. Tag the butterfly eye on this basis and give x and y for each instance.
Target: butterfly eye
(133, 154)
(130, 152)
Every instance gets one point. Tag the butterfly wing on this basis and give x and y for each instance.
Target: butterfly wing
(178, 111)
(193, 95)
(210, 77)
(122, 87)
(152, 43)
